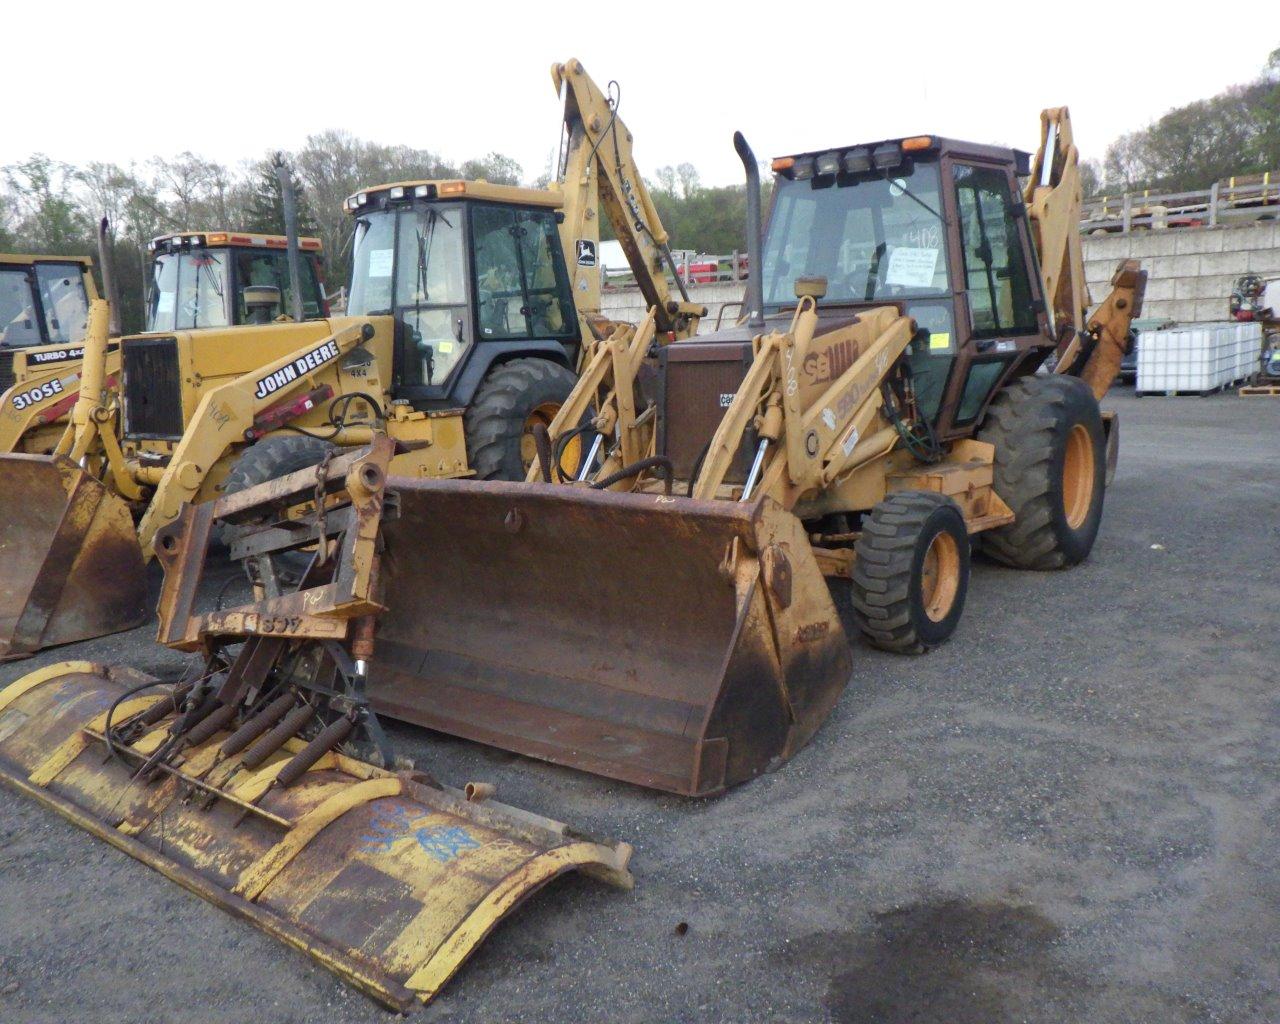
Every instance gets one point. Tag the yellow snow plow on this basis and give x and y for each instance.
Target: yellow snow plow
(264, 783)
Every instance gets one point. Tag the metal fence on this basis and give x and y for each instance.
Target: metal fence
(1234, 201)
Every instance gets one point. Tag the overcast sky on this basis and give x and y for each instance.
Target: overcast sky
(463, 79)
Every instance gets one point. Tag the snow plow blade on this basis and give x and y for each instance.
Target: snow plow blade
(676, 644)
(387, 879)
(72, 565)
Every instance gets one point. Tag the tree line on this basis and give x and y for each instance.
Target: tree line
(50, 207)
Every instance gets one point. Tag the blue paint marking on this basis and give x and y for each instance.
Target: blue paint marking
(445, 842)
(441, 842)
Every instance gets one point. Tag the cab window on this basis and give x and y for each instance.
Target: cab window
(189, 291)
(995, 271)
(18, 325)
(521, 285)
(66, 308)
(271, 267)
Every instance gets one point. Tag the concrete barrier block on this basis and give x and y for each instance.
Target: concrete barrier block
(1176, 266)
(1182, 311)
(1211, 286)
(1160, 289)
(1210, 310)
(1265, 261)
(1196, 240)
(1235, 262)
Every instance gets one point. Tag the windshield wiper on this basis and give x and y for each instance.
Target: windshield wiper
(902, 184)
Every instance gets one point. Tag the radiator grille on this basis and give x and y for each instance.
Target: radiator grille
(152, 388)
(699, 381)
(6, 371)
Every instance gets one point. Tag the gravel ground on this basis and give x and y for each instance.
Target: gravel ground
(1066, 814)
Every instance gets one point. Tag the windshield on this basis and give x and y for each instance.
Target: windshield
(188, 290)
(66, 307)
(872, 239)
(413, 261)
(18, 324)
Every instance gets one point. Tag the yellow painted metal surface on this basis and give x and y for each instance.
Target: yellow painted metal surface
(387, 880)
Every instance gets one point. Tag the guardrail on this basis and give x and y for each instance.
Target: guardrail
(1233, 201)
(692, 268)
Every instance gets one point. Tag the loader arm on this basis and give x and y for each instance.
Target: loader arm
(223, 416)
(597, 169)
(820, 435)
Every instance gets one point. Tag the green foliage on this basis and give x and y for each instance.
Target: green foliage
(1190, 147)
(266, 202)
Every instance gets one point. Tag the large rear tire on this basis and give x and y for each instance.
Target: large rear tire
(270, 459)
(1050, 468)
(512, 400)
(911, 574)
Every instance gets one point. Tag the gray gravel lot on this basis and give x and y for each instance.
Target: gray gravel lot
(1069, 813)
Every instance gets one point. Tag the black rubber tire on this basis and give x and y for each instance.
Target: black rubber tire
(269, 459)
(887, 593)
(495, 421)
(1029, 424)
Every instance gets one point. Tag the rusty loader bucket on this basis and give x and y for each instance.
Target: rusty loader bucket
(70, 564)
(677, 644)
(388, 879)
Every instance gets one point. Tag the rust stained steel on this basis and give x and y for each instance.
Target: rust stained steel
(320, 612)
(388, 881)
(72, 565)
(676, 644)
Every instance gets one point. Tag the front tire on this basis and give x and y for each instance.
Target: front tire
(512, 400)
(911, 573)
(1050, 469)
(270, 459)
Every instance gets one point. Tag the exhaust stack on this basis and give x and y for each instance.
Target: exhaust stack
(755, 232)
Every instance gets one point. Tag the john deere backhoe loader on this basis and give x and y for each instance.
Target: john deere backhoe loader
(468, 310)
(200, 279)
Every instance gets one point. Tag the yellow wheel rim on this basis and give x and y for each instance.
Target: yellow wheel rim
(544, 414)
(1077, 476)
(940, 577)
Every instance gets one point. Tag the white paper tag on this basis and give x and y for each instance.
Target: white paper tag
(911, 268)
(380, 263)
(850, 442)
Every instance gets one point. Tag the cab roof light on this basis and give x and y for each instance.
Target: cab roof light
(827, 165)
(803, 169)
(396, 193)
(917, 143)
(452, 188)
(856, 161)
(423, 191)
(782, 164)
(886, 156)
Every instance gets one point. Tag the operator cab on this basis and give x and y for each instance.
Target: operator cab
(44, 302)
(471, 272)
(213, 279)
(931, 224)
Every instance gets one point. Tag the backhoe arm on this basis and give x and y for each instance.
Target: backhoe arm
(1089, 347)
(597, 169)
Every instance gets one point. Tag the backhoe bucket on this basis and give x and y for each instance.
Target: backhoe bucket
(70, 564)
(387, 879)
(677, 644)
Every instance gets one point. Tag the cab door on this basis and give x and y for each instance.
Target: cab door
(997, 298)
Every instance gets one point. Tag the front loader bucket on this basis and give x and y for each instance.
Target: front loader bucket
(70, 564)
(387, 879)
(678, 644)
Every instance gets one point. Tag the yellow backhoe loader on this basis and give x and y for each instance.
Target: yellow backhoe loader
(469, 306)
(883, 408)
(201, 279)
